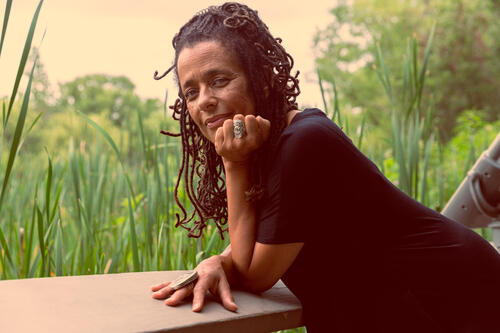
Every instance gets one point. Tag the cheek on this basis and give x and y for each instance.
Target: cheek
(248, 104)
(194, 115)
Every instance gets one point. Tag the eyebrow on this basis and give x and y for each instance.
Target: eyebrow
(209, 73)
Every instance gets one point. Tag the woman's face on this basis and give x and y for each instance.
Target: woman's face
(214, 86)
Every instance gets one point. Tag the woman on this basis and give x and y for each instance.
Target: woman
(303, 204)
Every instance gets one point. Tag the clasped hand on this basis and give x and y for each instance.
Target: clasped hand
(239, 150)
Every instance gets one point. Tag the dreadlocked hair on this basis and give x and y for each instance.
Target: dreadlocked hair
(266, 64)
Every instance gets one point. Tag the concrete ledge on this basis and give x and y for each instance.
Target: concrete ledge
(123, 303)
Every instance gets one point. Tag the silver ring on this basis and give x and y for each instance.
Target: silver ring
(238, 128)
(184, 280)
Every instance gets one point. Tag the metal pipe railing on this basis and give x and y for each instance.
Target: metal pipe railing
(476, 202)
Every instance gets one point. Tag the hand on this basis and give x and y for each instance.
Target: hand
(239, 150)
(211, 277)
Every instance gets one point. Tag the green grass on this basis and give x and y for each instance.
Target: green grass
(107, 206)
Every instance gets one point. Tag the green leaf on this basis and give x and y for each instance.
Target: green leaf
(104, 133)
(33, 123)
(58, 195)
(386, 82)
(24, 58)
(362, 130)
(41, 237)
(211, 242)
(425, 62)
(141, 129)
(423, 182)
(113, 145)
(320, 81)
(8, 4)
(133, 237)
(29, 236)
(48, 187)
(180, 240)
(5, 247)
(17, 134)
(59, 250)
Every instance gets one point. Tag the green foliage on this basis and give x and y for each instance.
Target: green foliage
(465, 71)
(412, 122)
(473, 135)
(409, 156)
(98, 93)
(8, 5)
(19, 127)
(92, 190)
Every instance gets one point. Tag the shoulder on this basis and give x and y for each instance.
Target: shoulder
(309, 130)
(310, 120)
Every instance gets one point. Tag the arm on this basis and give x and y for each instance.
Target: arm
(256, 266)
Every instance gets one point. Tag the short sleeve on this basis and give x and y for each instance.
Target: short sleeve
(299, 195)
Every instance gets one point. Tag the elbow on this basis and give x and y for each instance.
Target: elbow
(256, 285)
(259, 289)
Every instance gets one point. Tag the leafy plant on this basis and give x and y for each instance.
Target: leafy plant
(6, 112)
(412, 126)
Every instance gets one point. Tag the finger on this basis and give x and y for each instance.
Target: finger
(239, 116)
(226, 296)
(199, 293)
(264, 127)
(159, 286)
(179, 295)
(219, 139)
(227, 128)
(252, 128)
(163, 293)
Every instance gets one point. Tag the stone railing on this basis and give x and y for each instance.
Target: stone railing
(123, 303)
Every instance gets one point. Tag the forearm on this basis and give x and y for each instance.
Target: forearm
(241, 216)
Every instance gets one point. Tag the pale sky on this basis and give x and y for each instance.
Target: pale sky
(133, 38)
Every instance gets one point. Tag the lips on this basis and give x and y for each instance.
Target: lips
(218, 120)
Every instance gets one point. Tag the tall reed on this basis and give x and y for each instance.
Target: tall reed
(411, 118)
(13, 145)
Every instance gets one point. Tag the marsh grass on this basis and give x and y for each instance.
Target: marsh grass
(411, 119)
(109, 207)
(94, 212)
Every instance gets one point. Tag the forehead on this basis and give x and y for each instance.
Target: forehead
(205, 56)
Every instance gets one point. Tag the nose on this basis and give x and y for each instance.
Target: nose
(206, 99)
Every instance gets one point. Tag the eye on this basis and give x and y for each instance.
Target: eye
(220, 82)
(190, 94)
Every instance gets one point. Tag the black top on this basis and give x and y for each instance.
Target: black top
(373, 258)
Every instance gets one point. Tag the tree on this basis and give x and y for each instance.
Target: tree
(99, 93)
(108, 100)
(464, 68)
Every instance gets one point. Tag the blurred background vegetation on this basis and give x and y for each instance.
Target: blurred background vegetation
(463, 73)
(88, 181)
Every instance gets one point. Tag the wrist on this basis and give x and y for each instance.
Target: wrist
(226, 262)
(231, 166)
